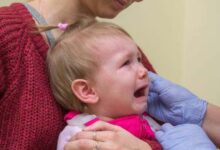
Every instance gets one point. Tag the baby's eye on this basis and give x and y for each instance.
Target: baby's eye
(127, 62)
(139, 59)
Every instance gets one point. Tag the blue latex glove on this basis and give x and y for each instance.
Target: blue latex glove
(172, 103)
(184, 137)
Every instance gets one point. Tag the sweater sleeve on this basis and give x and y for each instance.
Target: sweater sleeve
(29, 116)
(2, 78)
(8, 44)
(12, 28)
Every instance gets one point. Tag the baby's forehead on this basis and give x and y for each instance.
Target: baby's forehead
(111, 41)
(110, 38)
(106, 45)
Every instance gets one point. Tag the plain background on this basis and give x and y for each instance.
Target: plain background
(181, 38)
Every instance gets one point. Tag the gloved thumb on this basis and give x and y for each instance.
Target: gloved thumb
(157, 83)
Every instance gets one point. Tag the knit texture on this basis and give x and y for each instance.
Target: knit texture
(30, 119)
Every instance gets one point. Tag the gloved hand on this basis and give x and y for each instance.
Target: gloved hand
(172, 103)
(183, 137)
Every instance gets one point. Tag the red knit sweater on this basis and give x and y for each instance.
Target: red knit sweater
(29, 116)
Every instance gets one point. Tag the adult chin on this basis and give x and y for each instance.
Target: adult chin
(109, 15)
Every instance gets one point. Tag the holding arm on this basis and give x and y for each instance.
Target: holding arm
(211, 123)
(104, 136)
(172, 103)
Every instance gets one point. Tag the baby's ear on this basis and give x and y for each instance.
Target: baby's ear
(84, 91)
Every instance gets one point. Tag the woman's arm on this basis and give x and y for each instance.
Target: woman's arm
(211, 123)
(2, 78)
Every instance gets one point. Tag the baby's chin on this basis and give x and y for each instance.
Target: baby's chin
(141, 108)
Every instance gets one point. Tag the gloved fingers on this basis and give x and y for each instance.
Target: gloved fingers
(166, 127)
(159, 135)
(157, 83)
(182, 137)
(152, 98)
(152, 76)
(162, 132)
(152, 102)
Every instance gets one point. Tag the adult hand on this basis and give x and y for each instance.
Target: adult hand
(183, 137)
(172, 103)
(104, 136)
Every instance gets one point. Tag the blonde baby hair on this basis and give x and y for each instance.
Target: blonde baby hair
(72, 57)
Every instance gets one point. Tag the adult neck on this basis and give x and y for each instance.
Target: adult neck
(55, 11)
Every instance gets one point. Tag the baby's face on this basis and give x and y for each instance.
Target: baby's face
(121, 80)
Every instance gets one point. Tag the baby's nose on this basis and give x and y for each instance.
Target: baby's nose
(143, 72)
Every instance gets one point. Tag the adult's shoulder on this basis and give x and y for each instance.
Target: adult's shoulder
(17, 29)
(14, 19)
(15, 12)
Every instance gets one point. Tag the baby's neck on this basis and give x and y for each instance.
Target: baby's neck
(103, 118)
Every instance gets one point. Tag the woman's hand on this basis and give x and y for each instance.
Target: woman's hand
(104, 136)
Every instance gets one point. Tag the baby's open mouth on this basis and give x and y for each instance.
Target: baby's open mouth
(140, 92)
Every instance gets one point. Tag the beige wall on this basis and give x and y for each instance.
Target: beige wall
(201, 51)
(157, 26)
(6, 2)
(182, 40)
